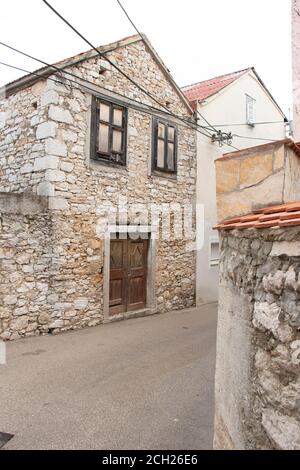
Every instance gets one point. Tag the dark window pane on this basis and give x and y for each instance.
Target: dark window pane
(171, 159)
(117, 141)
(104, 112)
(161, 154)
(171, 134)
(103, 138)
(118, 117)
(161, 131)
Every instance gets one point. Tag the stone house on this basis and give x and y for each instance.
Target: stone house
(234, 103)
(258, 346)
(71, 145)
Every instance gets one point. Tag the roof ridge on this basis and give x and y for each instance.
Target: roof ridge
(216, 77)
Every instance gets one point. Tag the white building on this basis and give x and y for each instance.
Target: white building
(241, 104)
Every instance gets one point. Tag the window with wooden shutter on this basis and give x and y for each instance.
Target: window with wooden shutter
(164, 147)
(250, 110)
(109, 137)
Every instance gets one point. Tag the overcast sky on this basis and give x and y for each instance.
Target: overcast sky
(197, 39)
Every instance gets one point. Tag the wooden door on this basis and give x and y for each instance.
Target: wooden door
(128, 275)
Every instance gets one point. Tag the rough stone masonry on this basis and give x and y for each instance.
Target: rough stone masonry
(51, 259)
(258, 345)
(258, 366)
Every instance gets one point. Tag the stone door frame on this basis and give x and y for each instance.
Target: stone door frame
(151, 303)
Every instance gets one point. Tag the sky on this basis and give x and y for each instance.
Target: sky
(197, 39)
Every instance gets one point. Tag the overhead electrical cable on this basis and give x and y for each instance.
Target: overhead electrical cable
(143, 39)
(63, 70)
(115, 66)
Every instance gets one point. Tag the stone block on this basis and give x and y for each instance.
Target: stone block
(46, 189)
(283, 430)
(19, 324)
(49, 162)
(10, 300)
(55, 176)
(286, 248)
(49, 97)
(56, 203)
(46, 130)
(67, 167)
(81, 304)
(56, 147)
(60, 115)
(28, 168)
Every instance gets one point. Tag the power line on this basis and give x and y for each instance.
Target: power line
(139, 87)
(143, 39)
(255, 124)
(254, 138)
(63, 69)
(215, 134)
(63, 82)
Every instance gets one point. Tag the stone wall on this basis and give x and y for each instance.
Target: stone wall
(45, 151)
(253, 178)
(296, 66)
(258, 351)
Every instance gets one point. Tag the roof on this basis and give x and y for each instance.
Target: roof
(203, 90)
(45, 72)
(261, 148)
(284, 215)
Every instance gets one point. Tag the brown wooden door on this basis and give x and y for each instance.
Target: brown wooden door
(128, 275)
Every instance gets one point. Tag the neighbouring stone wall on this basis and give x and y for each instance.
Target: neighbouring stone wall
(296, 66)
(253, 178)
(258, 351)
(46, 152)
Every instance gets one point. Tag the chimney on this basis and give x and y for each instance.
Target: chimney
(296, 66)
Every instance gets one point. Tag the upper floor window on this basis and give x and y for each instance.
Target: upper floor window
(250, 110)
(109, 126)
(164, 156)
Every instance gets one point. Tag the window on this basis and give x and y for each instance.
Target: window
(164, 145)
(250, 110)
(108, 141)
(214, 253)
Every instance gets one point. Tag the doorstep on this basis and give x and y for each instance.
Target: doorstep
(147, 312)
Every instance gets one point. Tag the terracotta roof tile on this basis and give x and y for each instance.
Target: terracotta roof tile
(285, 215)
(203, 90)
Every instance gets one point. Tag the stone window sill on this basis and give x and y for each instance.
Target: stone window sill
(107, 166)
(161, 174)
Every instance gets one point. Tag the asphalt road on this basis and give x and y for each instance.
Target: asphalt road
(141, 384)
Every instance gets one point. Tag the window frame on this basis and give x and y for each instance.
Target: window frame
(155, 138)
(96, 154)
(213, 261)
(250, 101)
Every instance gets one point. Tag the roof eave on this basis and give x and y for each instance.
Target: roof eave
(45, 72)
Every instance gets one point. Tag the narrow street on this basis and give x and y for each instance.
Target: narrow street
(141, 384)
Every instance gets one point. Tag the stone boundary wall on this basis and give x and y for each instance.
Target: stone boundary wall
(258, 350)
(296, 66)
